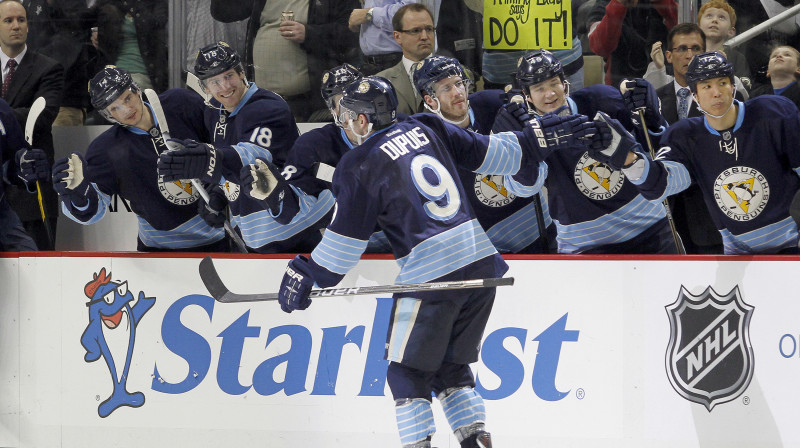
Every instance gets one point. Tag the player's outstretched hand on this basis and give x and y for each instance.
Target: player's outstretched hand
(32, 166)
(614, 142)
(511, 117)
(296, 285)
(213, 212)
(191, 160)
(263, 181)
(640, 94)
(68, 178)
(553, 132)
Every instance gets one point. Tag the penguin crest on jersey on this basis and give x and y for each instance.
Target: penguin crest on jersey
(231, 190)
(741, 193)
(178, 192)
(490, 190)
(596, 180)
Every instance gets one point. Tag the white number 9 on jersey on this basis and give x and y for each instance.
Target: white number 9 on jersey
(261, 137)
(444, 189)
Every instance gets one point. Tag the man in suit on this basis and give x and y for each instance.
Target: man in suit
(28, 75)
(415, 33)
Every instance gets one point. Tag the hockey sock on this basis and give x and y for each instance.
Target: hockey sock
(464, 410)
(414, 421)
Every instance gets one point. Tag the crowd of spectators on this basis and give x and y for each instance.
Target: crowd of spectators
(287, 46)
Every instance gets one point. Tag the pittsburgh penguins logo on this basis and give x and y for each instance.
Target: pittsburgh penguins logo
(741, 193)
(491, 192)
(231, 190)
(178, 192)
(363, 87)
(596, 180)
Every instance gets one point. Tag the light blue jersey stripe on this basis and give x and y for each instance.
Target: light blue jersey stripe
(338, 253)
(527, 191)
(194, 232)
(405, 315)
(503, 156)
(617, 227)
(772, 238)
(519, 230)
(260, 228)
(102, 207)
(444, 253)
(249, 152)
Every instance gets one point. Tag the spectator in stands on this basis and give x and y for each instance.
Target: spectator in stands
(415, 34)
(27, 75)
(783, 70)
(500, 66)
(374, 24)
(288, 57)
(623, 31)
(717, 19)
(132, 35)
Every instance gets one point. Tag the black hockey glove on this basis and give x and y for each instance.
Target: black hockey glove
(296, 285)
(32, 166)
(613, 144)
(511, 117)
(640, 94)
(191, 160)
(213, 213)
(552, 133)
(263, 181)
(69, 181)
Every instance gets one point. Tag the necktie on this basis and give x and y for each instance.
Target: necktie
(12, 64)
(683, 102)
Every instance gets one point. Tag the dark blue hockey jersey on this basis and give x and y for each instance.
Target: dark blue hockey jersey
(11, 140)
(261, 126)
(748, 174)
(403, 178)
(123, 160)
(592, 204)
(509, 220)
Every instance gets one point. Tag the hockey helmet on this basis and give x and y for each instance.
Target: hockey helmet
(108, 84)
(434, 69)
(707, 65)
(336, 79)
(537, 66)
(216, 58)
(372, 96)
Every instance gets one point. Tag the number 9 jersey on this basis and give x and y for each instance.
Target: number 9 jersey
(404, 179)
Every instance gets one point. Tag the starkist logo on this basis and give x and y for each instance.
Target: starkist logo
(196, 351)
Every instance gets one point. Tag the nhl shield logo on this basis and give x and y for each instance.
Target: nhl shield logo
(709, 358)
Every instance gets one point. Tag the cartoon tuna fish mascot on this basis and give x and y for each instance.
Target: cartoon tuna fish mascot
(113, 317)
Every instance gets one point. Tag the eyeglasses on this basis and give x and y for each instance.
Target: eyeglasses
(419, 30)
(684, 49)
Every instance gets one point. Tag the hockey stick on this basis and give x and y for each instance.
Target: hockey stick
(33, 114)
(221, 293)
(678, 241)
(155, 103)
(193, 82)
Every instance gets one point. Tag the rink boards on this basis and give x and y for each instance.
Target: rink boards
(579, 352)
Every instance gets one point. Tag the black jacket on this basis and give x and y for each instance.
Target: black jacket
(328, 40)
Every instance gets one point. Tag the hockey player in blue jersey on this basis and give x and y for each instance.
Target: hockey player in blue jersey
(22, 166)
(306, 176)
(745, 157)
(245, 123)
(595, 209)
(510, 221)
(402, 178)
(122, 161)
